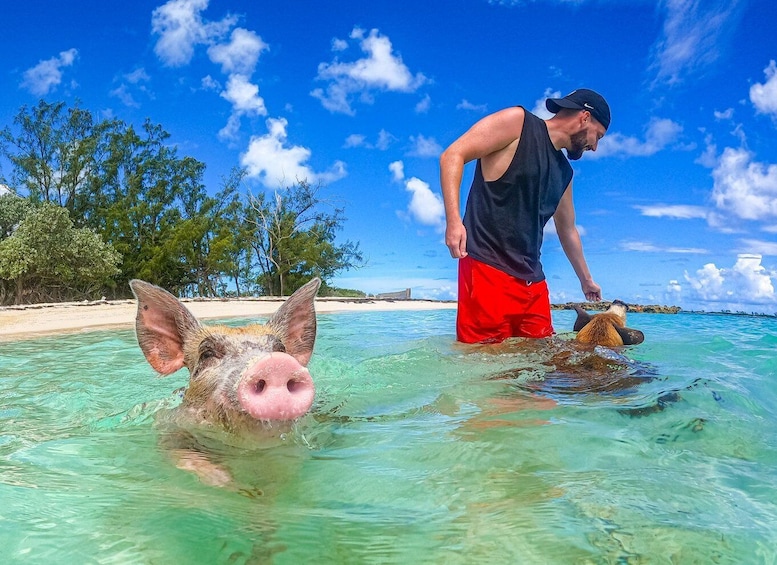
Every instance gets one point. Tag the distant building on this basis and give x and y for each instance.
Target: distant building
(399, 295)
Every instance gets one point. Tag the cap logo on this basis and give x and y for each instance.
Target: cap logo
(587, 106)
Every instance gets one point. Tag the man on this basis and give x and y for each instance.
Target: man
(522, 179)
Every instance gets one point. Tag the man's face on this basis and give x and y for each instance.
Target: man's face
(586, 139)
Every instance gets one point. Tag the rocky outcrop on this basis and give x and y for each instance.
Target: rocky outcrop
(604, 305)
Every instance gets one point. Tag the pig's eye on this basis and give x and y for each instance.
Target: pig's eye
(209, 350)
(278, 346)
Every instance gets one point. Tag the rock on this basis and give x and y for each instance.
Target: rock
(604, 305)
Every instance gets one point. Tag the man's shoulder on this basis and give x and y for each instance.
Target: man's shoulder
(513, 112)
(529, 116)
(519, 110)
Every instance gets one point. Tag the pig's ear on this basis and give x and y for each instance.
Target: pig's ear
(162, 325)
(583, 318)
(629, 336)
(295, 322)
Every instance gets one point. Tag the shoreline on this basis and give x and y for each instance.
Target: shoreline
(28, 321)
(37, 320)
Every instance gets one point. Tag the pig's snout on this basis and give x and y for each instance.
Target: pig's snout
(276, 387)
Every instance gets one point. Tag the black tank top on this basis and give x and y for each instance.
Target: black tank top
(504, 218)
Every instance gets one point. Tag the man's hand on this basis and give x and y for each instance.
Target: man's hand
(592, 291)
(456, 240)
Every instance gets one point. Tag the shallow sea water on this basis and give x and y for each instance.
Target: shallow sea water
(416, 451)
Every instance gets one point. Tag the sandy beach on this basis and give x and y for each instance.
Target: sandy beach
(22, 322)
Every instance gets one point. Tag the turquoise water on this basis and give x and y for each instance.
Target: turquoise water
(416, 451)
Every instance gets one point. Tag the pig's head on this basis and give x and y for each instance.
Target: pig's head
(606, 328)
(252, 373)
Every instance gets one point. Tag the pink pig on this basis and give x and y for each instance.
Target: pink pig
(238, 377)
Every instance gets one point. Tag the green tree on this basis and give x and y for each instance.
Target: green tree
(229, 249)
(293, 238)
(129, 185)
(208, 234)
(53, 152)
(13, 209)
(137, 201)
(47, 258)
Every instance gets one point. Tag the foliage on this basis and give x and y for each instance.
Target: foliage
(151, 207)
(13, 210)
(53, 152)
(293, 239)
(47, 258)
(334, 291)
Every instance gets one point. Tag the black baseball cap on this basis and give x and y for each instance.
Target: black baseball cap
(583, 99)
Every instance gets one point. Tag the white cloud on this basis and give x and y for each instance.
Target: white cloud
(355, 140)
(659, 134)
(724, 115)
(122, 93)
(231, 130)
(180, 28)
(210, 83)
(760, 247)
(380, 70)
(273, 162)
(709, 158)
(47, 75)
(746, 282)
(245, 100)
(244, 96)
(424, 147)
(676, 211)
(339, 44)
(137, 76)
(708, 282)
(645, 247)
(743, 187)
(397, 169)
(764, 96)
(423, 105)
(241, 54)
(134, 81)
(425, 206)
(540, 109)
(467, 105)
(385, 139)
(674, 287)
(694, 33)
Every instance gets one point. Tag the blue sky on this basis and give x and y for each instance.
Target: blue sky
(678, 205)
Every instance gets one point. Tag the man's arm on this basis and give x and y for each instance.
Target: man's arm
(486, 138)
(564, 219)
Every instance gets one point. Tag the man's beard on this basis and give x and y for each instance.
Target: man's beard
(577, 145)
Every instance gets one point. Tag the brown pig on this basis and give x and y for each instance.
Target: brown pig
(606, 328)
(238, 377)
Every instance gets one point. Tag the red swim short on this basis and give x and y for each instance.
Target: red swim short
(494, 305)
